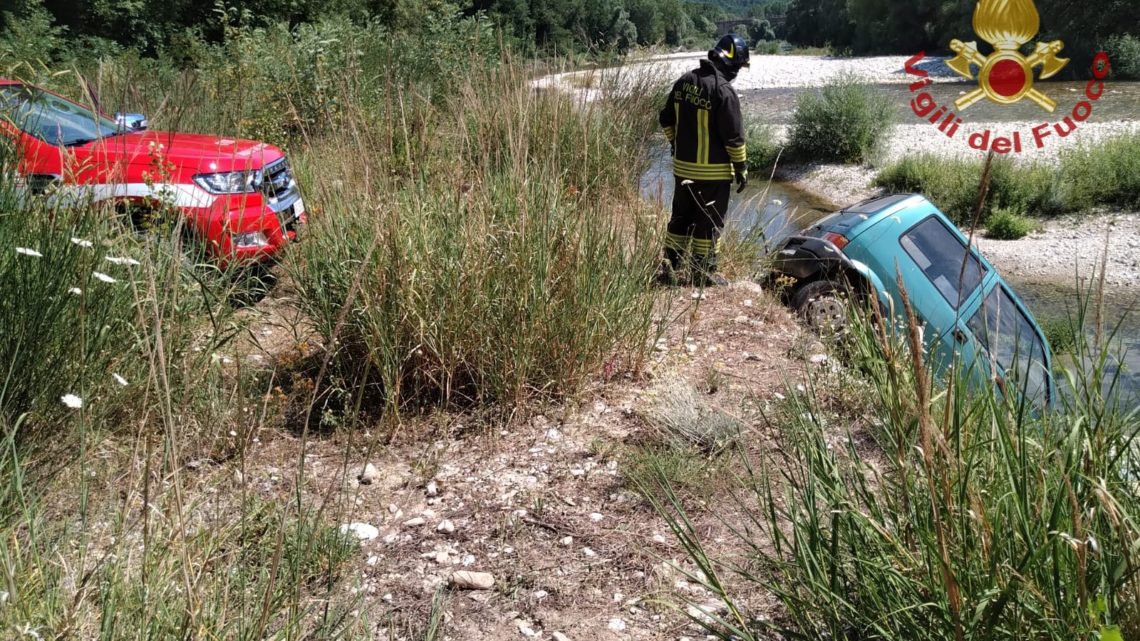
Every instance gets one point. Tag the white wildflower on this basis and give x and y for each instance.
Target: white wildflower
(103, 277)
(72, 401)
(119, 379)
(27, 251)
(75, 291)
(122, 260)
(82, 243)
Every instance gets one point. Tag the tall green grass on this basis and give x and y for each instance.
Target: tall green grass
(1100, 175)
(944, 512)
(515, 260)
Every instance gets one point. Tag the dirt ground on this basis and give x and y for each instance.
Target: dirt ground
(544, 503)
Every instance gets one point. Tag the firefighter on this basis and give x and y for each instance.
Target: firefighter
(702, 121)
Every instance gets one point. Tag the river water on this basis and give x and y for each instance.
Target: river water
(779, 210)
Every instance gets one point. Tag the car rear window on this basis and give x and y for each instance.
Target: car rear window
(1013, 343)
(940, 254)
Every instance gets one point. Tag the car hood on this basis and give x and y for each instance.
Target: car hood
(194, 153)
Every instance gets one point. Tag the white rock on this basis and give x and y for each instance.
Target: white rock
(467, 580)
(558, 636)
(818, 359)
(589, 552)
(567, 540)
(553, 434)
(617, 625)
(3, 598)
(431, 488)
(525, 629)
(596, 516)
(540, 594)
(362, 531)
(445, 526)
(415, 521)
(657, 538)
(392, 509)
(368, 475)
(748, 302)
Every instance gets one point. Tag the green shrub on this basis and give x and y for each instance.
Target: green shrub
(1004, 224)
(1105, 174)
(763, 148)
(1124, 52)
(1060, 333)
(844, 122)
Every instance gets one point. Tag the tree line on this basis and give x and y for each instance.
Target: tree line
(864, 27)
(155, 27)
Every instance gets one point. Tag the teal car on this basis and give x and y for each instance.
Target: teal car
(968, 311)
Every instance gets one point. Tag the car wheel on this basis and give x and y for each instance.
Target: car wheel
(823, 304)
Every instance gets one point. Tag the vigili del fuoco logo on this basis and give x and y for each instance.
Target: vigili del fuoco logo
(1006, 77)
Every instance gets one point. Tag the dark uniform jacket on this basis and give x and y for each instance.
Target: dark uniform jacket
(702, 119)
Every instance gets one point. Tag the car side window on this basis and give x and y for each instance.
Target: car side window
(939, 253)
(1013, 343)
(50, 118)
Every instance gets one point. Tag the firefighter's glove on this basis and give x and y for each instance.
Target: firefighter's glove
(741, 171)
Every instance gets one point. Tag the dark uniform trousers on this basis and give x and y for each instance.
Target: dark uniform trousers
(699, 208)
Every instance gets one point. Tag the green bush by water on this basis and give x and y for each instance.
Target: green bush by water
(1003, 224)
(1106, 174)
(843, 122)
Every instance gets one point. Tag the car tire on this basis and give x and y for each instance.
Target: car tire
(824, 305)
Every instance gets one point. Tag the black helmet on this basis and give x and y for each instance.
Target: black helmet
(731, 51)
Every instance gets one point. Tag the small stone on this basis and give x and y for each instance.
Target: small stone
(525, 629)
(657, 538)
(362, 531)
(239, 477)
(818, 359)
(415, 521)
(691, 348)
(589, 552)
(567, 540)
(740, 319)
(558, 636)
(3, 598)
(368, 475)
(748, 302)
(392, 509)
(596, 516)
(387, 597)
(445, 526)
(617, 625)
(778, 396)
(432, 489)
(468, 580)
(540, 594)
(553, 434)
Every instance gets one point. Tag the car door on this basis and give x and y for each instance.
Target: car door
(942, 276)
(1004, 342)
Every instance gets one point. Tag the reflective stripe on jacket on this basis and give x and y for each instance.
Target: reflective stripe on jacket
(702, 119)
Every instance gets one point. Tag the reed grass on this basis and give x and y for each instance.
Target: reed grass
(970, 517)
